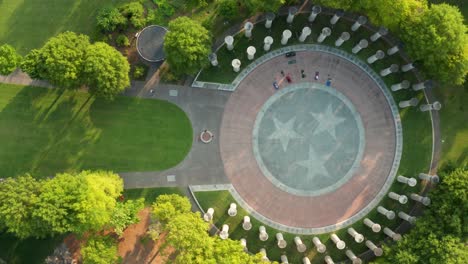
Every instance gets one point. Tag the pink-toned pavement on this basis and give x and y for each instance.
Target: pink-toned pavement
(301, 211)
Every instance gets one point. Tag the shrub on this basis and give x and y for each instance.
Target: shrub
(99, 250)
(109, 18)
(228, 9)
(122, 41)
(135, 13)
(154, 231)
(164, 7)
(156, 17)
(9, 59)
(167, 75)
(139, 72)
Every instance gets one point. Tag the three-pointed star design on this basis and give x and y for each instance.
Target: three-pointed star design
(315, 165)
(327, 121)
(284, 132)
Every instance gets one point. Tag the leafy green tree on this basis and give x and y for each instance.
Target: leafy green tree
(126, 214)
(165, 7)
(60, 60)
(168, 206)
(187, 45)
(263, 6)
(392, 13)
(78, 203)
(231, 252)
(9, 59)
(338, 4)
(18, 200)
(187, 233)
(99, 250)
(109, 18)
(122, 41)
(440, 42)
(105, 70)
(228, 9)
(440, 234)
(30, 64)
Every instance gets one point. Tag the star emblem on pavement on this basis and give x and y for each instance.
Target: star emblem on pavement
(315, 165)
(284, 132)
(327, 121)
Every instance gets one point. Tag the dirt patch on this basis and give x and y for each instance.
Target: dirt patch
(74, 245)
(136, 247)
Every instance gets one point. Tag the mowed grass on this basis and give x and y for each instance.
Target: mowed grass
(454, 125)
(27, 24)
(45, 131)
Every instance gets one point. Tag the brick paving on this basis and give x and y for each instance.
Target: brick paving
(301, 211)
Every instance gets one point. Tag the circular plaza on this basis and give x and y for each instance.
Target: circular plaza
(319, 152)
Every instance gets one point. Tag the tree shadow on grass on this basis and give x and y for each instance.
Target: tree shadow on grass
(42, 132)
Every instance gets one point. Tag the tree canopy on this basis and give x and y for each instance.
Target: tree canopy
(9, 59)
(440, 234)
(228, 9)
(69, 60)
(168, 206)
(18, 200)
(60, 60)
(187, 45)
(110, 18)
(65, 203)
(135, 13)
(125, 214)
(105, 70)
(187, 233)
(440, 41)
(434, 35)
(263, 6)
(99, 250)
(338, 4)
(392, 13)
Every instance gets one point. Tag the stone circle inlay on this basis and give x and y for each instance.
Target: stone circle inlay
(308, 139)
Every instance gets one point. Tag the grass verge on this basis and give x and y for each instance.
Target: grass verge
(150, 194)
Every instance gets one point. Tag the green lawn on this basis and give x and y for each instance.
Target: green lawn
(45, 131)
(454, 113)
(454, 125)
(27, 24)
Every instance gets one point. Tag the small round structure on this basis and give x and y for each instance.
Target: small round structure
(206, 136)
(150, 43)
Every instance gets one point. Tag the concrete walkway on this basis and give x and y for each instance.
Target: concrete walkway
(20, 78)
(203, 164)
